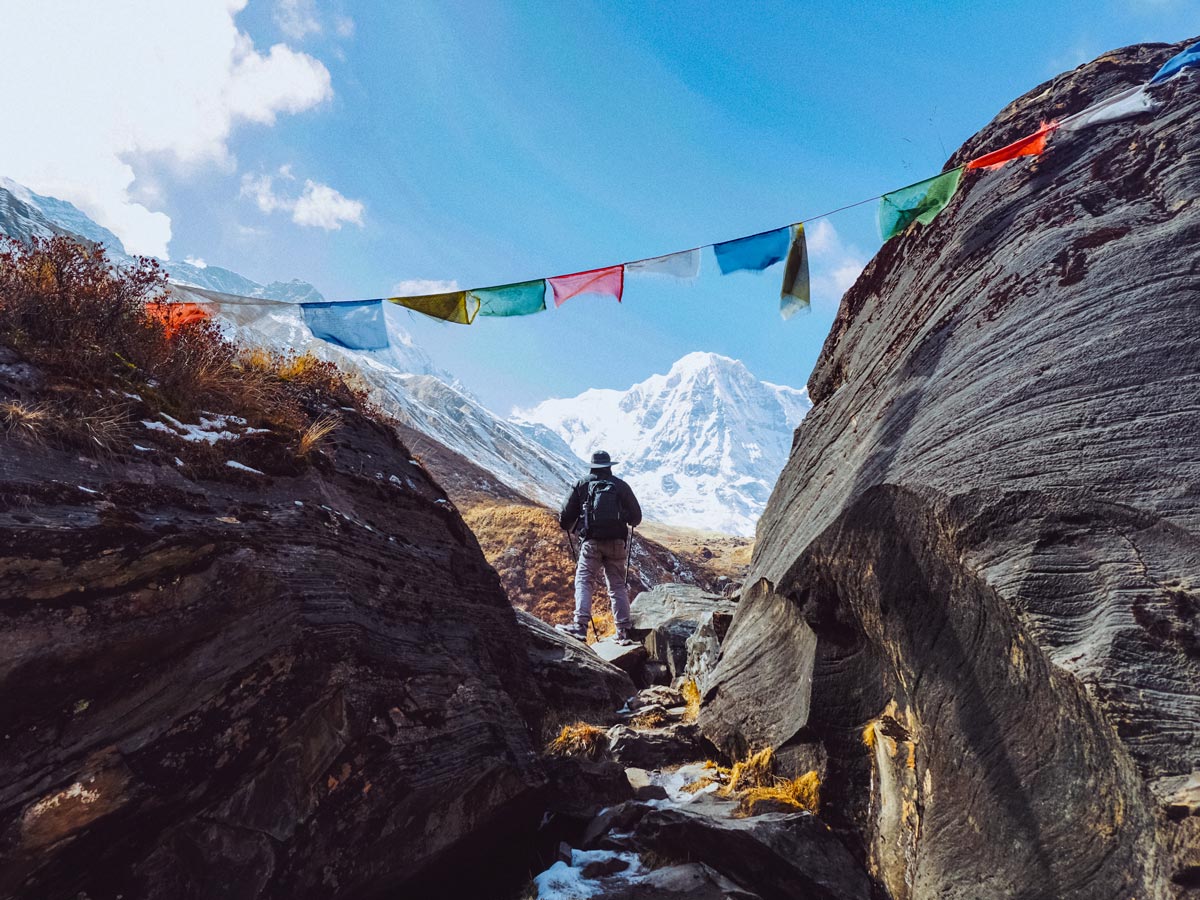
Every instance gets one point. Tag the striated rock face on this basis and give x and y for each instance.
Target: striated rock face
(299, 686)
(974, 598)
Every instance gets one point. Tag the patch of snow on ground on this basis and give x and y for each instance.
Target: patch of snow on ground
(234, 464)
(566, 882)
(561, 882)
(212, 428)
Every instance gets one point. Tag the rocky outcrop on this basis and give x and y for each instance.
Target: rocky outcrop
(783, 856)
(973, 599)
(668, 616)
(575, 683)
(253, 686)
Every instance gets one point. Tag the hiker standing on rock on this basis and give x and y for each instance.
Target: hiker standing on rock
(601, 508)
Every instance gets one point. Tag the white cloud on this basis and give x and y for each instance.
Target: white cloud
(416, 287)
(196, 261)
(320, 206)
(108, 83)
(317, 206)
(344, 26)
(297, 18)
(835, 264)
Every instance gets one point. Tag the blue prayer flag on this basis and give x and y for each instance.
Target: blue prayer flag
(757, 252)
(1181, 60)
(356, 325)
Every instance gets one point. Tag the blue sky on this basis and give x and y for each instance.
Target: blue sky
(369, 145)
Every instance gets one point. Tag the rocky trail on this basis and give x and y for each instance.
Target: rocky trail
(646, 812)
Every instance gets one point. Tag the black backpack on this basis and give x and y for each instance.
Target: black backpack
(603, 514)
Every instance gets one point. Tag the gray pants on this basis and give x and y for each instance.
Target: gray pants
(593, 556)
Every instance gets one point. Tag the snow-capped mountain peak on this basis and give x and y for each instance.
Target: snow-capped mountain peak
(701, 445)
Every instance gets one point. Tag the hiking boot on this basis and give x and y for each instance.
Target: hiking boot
(623, 637)
(575, 630)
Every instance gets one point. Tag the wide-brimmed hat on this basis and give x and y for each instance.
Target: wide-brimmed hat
(600, 460)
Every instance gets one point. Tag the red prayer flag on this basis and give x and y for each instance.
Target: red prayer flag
(175, 315)
(1030, 145)
(610, 280)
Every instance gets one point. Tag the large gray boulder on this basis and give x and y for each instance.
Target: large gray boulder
(778, 856)
(575, 682)
(973, 589)
(668, 615)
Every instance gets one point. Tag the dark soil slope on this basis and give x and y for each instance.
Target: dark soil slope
(975, 600)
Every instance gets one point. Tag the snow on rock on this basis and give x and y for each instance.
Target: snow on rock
(701, 446)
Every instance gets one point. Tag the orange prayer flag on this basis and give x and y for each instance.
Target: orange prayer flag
(175, 315)
(1030, 145)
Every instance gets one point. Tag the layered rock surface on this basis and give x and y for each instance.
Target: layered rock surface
(257, 686)
(973, 601)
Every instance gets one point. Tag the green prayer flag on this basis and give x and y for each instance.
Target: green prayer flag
(457, 306)
(920, 202)
(795, 294)
(522, 299)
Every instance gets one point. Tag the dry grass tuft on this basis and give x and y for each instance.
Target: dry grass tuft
(756, 770)
(651, 718)
(317, 431)
(580, 739)
(107, 429)
(753, 783)
(799, 793)
(720, 775)
(691, 694)
(30, 421)
(699, 784)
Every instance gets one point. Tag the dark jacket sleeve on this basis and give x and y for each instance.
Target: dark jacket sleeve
(633, 511)
(569, 515)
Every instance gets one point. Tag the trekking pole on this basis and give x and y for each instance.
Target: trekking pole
(628, 552)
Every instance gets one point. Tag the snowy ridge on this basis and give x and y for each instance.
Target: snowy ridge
(702, 446)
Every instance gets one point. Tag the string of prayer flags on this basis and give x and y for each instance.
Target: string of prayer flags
(1184, 59)
(522, 299)
(685, 264)
(1030, 145)
(795, 294)
(1123, 105)
(456, 306)
(359, 325)
(920, 202)
(609, 281)
(754, 253)
(174, 316)
(355, 325)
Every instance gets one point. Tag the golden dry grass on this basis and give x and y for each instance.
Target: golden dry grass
(652, 718)
(579, 739)
(691, 694)
(756, 770)
(30, 421)
(529, 551)
(107, 429)
(798, 793)
(721, 554)
(756, 787)
(317, 430)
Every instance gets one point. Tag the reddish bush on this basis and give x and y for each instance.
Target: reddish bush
(68, 309)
